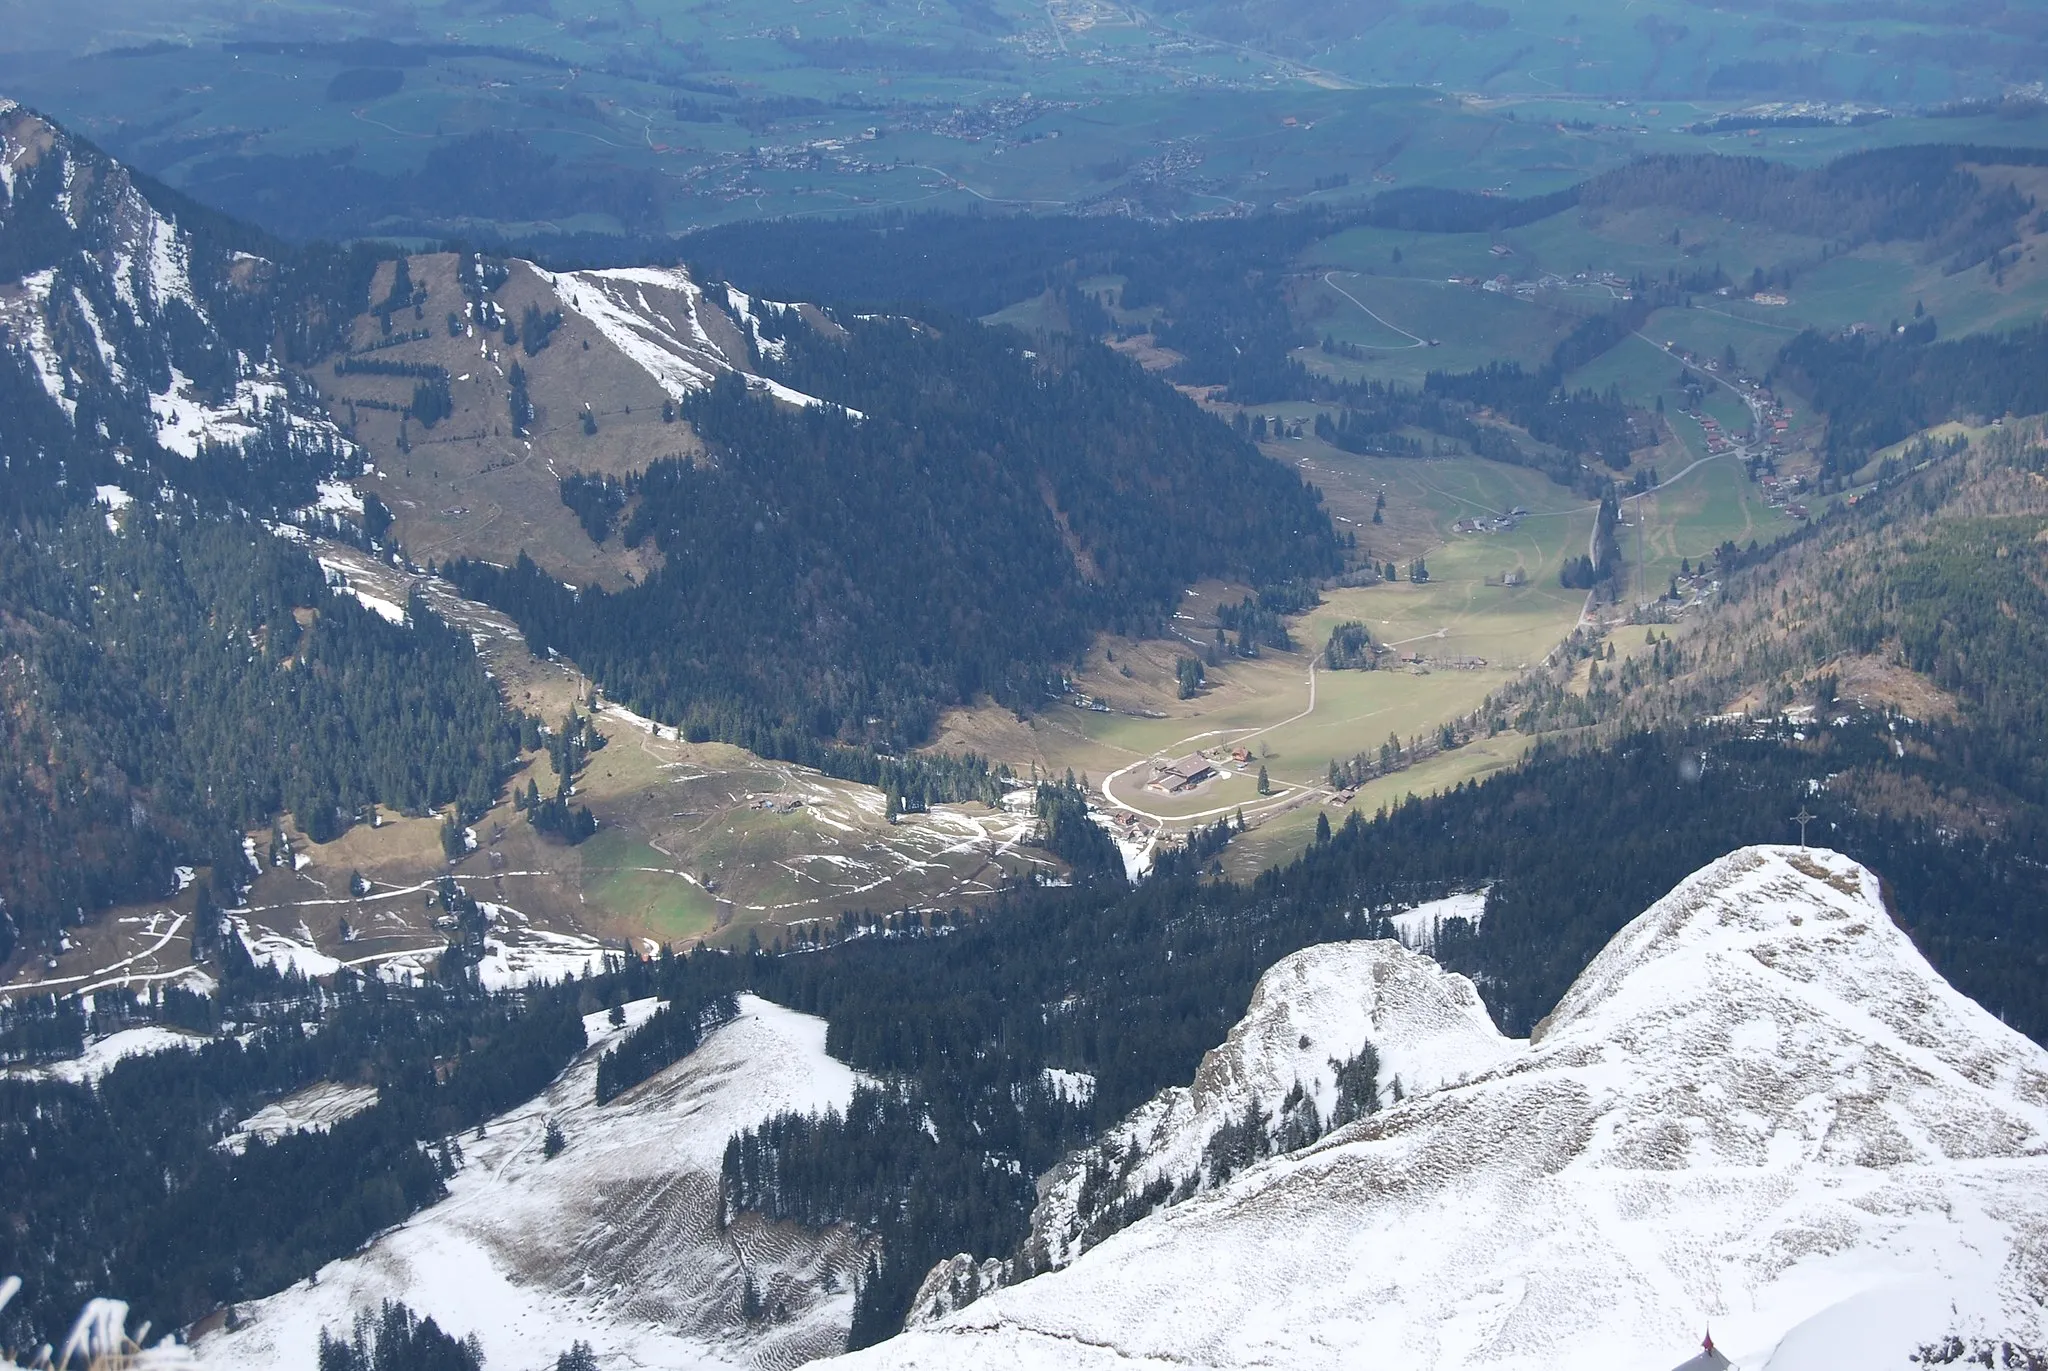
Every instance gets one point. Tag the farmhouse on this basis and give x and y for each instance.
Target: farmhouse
(1185, 774)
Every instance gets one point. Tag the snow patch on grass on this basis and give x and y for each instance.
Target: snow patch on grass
(101, 1054)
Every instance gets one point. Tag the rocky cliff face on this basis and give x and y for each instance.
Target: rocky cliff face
(1759, 1109)
(136, 348)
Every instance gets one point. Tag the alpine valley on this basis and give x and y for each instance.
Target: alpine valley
(1190, 765)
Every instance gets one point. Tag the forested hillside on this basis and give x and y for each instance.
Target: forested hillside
(1877, 391)
(1926, 596)
(141, 337)
(173, 671)
(172, 684)
(830, 577)
(1920, 193)
(1937, 574)
(126, 1182)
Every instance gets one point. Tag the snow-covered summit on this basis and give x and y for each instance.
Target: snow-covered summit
(1288, 1065)
(110, 314)
(1759, 1109)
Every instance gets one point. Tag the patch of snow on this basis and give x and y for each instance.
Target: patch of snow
(113, 499)
(35, 334)
(681, 358)
(1417, 927)
(376, 604)
(1136, 847)
(1075, 1087)
(185, 424)
(170, 270)
(615, 1241)
(791, 396)
(337, 497)
(109, 358)
(314, 1109)
(269, 947)
(650, 340)
(640, 721)
(743, 305)
(101, 1054)
(515, 954)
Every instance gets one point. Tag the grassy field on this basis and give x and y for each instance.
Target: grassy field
(1282, 837)
(634, 887)
(1264, 704)
(1470, 327)
(1688, 519)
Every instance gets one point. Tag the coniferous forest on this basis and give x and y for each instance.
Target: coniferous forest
(184, 680)
(993, 506)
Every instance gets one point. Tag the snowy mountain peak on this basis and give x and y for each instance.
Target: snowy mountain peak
(124, 342)
(1725, 979)
(1758, 1110)
(1330, 1034)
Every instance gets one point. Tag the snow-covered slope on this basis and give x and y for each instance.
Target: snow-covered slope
(614, 1241)
(666, 324)
(1759, 1109)
(101, 1055)
(109, 317)
(1311, 1016)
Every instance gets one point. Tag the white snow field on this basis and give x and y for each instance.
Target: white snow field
(1759, 1110)
(614, 1241)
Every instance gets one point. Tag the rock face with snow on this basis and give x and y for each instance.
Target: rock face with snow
(115, 335)
(1330, 1032)
(1759, 1109)
(616, 1240)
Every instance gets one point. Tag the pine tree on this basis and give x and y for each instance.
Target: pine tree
(1265, 782)
(553, 1140)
